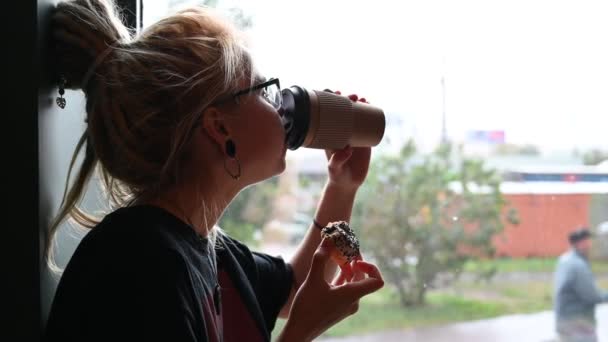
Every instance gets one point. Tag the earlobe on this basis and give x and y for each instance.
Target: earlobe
(230, 148)
(215, 126)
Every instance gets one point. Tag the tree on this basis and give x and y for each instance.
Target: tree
(595, 156)
(236, 14)
(242, 20)
(249, 211)
(422, 217)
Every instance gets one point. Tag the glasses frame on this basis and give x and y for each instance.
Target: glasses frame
(249, 90)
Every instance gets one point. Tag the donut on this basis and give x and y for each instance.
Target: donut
(344, 239)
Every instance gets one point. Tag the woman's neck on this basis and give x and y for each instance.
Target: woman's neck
(200, 206)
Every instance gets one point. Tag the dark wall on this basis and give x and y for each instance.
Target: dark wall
(19, 251)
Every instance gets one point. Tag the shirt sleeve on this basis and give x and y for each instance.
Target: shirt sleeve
(585, 287)
(271, 279)
(147, 298)
(275, 280)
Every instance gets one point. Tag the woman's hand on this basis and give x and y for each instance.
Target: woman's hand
(348, 167)
(318, 305)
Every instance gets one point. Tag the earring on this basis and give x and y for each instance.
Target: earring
(231, 152)
(60, 100)
(230, 148)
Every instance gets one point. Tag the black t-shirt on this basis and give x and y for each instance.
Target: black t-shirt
(142, 274)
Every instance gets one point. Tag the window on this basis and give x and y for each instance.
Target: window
(517, 89)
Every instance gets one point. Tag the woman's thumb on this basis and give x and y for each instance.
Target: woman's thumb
(340, 157)
(319, 259)
(358, 289)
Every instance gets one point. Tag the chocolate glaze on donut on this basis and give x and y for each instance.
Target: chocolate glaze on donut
(343, 237)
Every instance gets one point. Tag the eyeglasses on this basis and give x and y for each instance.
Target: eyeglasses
(271, 92)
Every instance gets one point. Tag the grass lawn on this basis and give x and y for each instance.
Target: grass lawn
(545, 265)
(382, 311)
(463, 301)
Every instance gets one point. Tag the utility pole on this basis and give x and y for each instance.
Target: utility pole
(444, 128)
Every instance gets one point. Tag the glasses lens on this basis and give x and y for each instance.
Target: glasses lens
(273, 95)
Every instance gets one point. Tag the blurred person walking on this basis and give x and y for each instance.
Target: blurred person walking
(575, 292)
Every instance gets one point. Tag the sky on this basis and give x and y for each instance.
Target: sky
(537, 69)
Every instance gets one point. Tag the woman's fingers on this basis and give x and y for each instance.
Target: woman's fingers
(367, 268)
(338, 158)
(339, 280)
(355, 98)
(357, 289)
(319, 260)
(342, 153)
(358, 274)
(347, 271)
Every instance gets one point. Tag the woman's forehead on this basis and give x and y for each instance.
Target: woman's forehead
(251, 81)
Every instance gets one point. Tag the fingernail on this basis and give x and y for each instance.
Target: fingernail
(363, 99)
(338, 92)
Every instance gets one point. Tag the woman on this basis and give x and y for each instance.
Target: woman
(178, 123)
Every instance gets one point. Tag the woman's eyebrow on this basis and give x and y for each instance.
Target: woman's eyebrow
(259, 79)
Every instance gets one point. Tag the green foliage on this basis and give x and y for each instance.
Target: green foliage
(595, 156)
(422, 217)
(465, 300)
(440, 309)
(238, 17)
(527, 265)
(381, 311)
(249, 211)
(242, 231)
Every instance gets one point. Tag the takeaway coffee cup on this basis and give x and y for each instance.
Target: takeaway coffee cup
(324, 120)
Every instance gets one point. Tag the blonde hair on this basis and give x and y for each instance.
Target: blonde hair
(143, 99)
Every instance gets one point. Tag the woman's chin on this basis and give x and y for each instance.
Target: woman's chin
(282, 166)
(277, 170)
